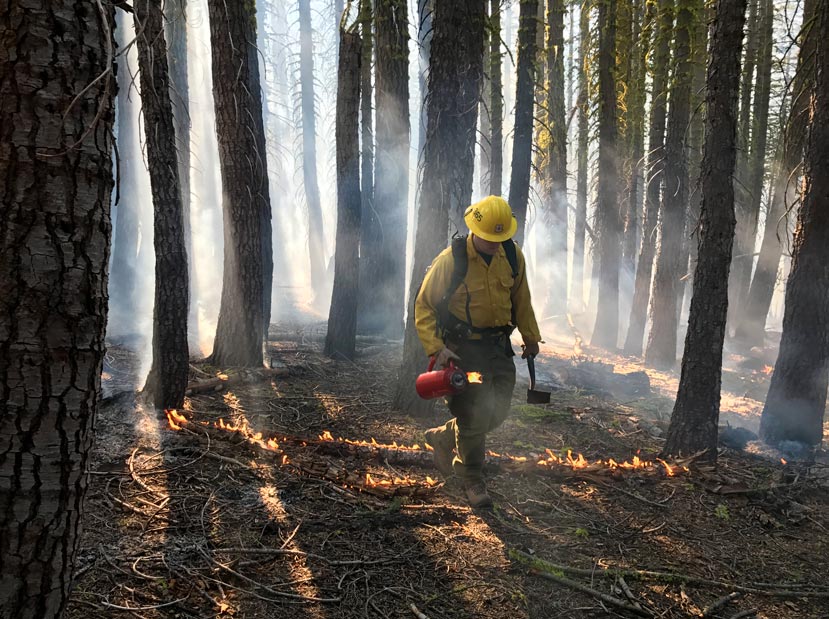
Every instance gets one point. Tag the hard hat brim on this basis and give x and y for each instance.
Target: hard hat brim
(475, 228)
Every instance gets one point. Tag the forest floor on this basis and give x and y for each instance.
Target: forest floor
(210, 520)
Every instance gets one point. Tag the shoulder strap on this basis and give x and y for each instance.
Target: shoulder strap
(460, 264)
(512, 256)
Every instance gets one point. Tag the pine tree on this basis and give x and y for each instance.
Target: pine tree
(696, 412)
(341, 339)
(55, 190)
(796, 402)
(608, 214)
(496, 103)
(455, 79)
(170, 369)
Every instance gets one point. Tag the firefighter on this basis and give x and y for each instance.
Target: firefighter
(473, 296)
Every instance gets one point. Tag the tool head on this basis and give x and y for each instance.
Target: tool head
(533, 395)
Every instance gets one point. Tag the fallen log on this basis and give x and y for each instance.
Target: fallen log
(223, 381)
(601, 378)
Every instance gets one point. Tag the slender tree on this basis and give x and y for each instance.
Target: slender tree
(496, 102)
(391, 190)
(696, 412)
(372, 228)
(670, 266)
(246, 201)
(554, 162)
(425, 12)
(455, 77)
(316, 245)
(582, 105)
(167, 380)
(519, 188)
(341, 339)
(56, 122)
(750, 330)
(484, 120)
(796, 402)
(756, 159)
(608, 215)
(656, 162)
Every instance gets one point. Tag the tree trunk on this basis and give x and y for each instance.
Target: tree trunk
(455, 76)
(243, 165)
(796, 402)
(750, 331)
(175, 31)
(554, 167)
(124, 286)
(485, 123)
(577, 283)
(747, 226)
(167, 380)
(696, 412)
(340, 342)
(670, 266)
(391, 190)
(608, 215)
(522, 145)
(316, 243)
(56, 122)
(496, 103)
(425, 12)
(656, 165)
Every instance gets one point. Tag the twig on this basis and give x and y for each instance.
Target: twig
(718, 604)
(752, 612)
(540, 564)
(299, 553)
(417, 612)
(628, 593)
(153, 607)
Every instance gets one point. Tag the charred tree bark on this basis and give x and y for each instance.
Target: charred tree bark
(175, 31)
(316, 244)
(391, 185)
(693, 425)
(661, 350)
(56, 120)
(485, 123)
(340, 342)
(372, 228)
(455, 76)
(608, 214)
(554, 166)
(655, 168)
(496, 103)
(755, 168)
(425, 12)
(796, 402)
(750, 331)
(243, 164)
(522, 145)
(577, 283)
(167, 380)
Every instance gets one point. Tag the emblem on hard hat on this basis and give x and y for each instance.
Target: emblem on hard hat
(499, 228)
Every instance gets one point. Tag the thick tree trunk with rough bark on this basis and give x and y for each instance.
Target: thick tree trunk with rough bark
(316, 244)
(522, 145)
(55, 190)
(796, 402)
(577, 283)
(371, 238)
(670, 266)
(167, 380)
(391, 185)
(751, 329)
(696, 412)
(243, 165)
(554, 164)
(496, 102)
(756, 160)
(340, 341)
(455, 77)
(655, 167)
(425, 12)
(608, 213)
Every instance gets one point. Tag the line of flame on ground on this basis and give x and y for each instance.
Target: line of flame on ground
(548, 460)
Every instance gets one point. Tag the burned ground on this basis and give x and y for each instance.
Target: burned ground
(203, 522)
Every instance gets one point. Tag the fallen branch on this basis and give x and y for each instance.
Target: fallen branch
(417, 612)
(670, 577)
(221, 383)
(718, 604)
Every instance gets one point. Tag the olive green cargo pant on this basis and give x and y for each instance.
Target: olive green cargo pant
(479, 409)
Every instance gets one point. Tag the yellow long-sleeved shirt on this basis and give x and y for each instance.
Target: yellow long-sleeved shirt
(492, 292)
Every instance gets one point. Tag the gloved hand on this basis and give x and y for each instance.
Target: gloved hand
(444, 356)
(530, 349)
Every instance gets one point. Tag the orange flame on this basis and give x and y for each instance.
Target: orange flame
(768, 369)
(783, 461)
(474, 378)
(175, 419)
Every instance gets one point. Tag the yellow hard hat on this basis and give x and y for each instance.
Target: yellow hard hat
(491, 219)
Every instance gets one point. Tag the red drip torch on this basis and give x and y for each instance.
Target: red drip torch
(439, 383)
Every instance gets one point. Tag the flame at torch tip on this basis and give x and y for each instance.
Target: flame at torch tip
(474, 378)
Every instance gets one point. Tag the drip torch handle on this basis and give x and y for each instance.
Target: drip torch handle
(531, 368)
